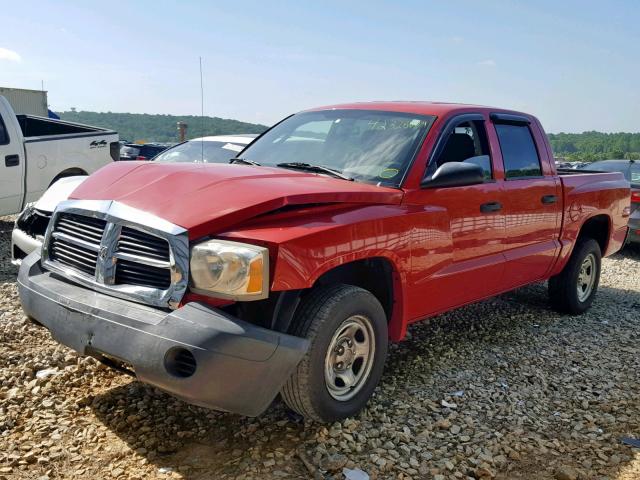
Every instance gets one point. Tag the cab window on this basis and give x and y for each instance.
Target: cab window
(467, 142)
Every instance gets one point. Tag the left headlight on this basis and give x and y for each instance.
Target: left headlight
(232, 270)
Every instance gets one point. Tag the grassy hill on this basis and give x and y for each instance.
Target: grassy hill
(160, 128)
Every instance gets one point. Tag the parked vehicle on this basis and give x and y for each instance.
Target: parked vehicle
(129, 151)
(214, 149)
(631, 171)
(149, 150)
(37, 151)
(290, 270)
(32, 223)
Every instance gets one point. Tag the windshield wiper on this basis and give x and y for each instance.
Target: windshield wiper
(244, 161)
(314, 168)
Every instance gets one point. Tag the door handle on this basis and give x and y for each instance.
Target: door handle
(549, 199)
(12, 160)
(490, 207)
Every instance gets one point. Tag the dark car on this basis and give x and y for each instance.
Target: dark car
(631, 171)
(150, 150)
(145, 151)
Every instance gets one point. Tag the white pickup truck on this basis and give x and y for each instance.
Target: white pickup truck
(37, 151)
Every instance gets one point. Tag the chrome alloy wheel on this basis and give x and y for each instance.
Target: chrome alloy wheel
(349, 358)
(587, 277)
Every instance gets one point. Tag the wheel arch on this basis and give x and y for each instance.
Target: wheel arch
(378, 275)
(597, 227)
(69, 172)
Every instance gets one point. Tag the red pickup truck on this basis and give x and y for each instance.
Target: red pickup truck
(290, 268)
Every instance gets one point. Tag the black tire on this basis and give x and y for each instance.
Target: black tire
(563, 288)
(318, 318)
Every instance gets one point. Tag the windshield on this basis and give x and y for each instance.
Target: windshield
(196, 151)
(368, 146)
(630, 170)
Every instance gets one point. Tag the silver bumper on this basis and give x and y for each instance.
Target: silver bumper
(25, 243)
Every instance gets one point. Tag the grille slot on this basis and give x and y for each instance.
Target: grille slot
(133, 273)
(145, 247)
(135, 242)
(71, 254)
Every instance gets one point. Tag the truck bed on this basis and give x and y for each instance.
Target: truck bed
(34, 126)
(587, 193)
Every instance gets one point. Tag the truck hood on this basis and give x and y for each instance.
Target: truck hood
(208, 198)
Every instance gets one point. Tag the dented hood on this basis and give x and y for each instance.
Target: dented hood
(208, 198)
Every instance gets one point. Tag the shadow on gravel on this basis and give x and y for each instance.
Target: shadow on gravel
(197, 442)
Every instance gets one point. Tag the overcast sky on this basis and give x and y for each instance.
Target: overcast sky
(574, 64)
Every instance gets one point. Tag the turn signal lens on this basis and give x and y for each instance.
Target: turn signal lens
(256, 271)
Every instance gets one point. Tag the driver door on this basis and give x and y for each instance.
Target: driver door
(475, 263)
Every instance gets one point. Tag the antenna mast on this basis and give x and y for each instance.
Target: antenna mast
(201, 111)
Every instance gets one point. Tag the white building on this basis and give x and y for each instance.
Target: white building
(30, 102)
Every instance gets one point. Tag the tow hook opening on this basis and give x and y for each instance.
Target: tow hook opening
(180, 362)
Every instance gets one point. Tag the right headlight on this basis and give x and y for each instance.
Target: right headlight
(232, 270)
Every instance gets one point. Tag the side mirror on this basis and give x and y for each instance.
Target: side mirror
(454, 174)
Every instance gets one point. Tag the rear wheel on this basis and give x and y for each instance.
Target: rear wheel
(347, 328)
(573, 290)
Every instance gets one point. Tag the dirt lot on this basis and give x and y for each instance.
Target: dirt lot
(502, 389)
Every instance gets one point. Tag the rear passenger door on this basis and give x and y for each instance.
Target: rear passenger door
(533, 202)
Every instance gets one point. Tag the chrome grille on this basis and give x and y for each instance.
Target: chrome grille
(76, 241)
(119, 250)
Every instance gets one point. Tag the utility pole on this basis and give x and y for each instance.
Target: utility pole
(182, 131)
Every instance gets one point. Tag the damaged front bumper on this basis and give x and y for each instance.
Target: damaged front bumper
(197, 353)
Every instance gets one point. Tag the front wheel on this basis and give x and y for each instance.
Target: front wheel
(572, 290)
(347, 328)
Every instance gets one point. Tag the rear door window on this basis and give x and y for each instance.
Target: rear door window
(519, 152)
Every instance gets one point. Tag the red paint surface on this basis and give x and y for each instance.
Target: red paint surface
(445, 253)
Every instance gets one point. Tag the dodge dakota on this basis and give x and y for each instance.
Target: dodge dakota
(289, 269)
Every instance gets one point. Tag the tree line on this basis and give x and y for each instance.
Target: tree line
(142, 127)
(592, 146)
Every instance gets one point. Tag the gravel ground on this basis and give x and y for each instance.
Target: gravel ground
(502, 389)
